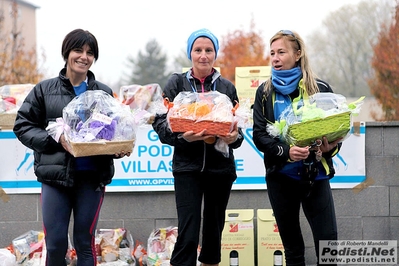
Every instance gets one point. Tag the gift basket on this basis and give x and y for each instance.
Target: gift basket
(144, 100)
(7, 258)
(191, 111)
(322, 114)
(11, 98)
(28, 247)
(7, 120)
(160, 244)
(95, 123)
(114, 247)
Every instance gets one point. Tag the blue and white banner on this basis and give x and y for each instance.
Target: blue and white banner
(149, 167)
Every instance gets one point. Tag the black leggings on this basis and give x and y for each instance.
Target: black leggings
(286, 196)
(190, 189)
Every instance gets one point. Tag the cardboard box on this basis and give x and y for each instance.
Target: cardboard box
(248, 79)
(269, 240)
(238, 237)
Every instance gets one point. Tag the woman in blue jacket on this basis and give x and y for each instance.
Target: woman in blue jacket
(293, 175)
(69, 184)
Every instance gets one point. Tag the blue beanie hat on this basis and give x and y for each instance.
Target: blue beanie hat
(201, 33)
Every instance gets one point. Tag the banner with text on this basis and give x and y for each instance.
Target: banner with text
(149, 168)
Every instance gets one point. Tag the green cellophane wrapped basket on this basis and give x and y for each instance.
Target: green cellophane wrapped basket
(333, 127)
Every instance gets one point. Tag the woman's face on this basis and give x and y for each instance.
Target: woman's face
(282, 55)
(80, 60)
(203, 55)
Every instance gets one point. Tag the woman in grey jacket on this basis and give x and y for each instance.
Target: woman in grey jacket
(69, 184)
(200, 171)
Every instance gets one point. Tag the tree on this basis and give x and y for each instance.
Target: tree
(342, 49)
(384, 85)
(181, 61)
(18, 65)
(149, 67)
(239, 49)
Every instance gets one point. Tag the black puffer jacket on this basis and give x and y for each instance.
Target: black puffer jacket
(276, 153)
(197, 155)
(53, 165)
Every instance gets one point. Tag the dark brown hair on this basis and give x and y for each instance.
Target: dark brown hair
(76, 39)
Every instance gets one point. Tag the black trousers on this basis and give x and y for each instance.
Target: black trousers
(286, 196)
(191, 188)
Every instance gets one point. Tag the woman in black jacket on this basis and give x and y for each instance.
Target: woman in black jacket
(289, 178)
(200, 171)
(68, 184)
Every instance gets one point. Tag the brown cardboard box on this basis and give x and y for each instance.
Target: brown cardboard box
(269, 239)
(238, 235)
(248, 80)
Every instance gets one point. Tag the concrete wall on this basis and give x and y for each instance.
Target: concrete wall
(372, 214)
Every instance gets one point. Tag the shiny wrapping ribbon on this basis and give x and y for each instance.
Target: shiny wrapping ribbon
(356, 128)
(59, 127)
(3, 195)
(365, 184)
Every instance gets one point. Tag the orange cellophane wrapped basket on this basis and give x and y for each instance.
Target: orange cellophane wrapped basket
(191, 111)
(212, 128)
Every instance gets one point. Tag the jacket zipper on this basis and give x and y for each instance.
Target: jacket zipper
(203, 159)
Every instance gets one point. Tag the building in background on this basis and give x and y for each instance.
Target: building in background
(18, 21)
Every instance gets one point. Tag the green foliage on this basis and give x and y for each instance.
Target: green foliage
(149, 66)
(181, 61)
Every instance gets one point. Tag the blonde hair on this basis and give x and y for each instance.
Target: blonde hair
(297, 44)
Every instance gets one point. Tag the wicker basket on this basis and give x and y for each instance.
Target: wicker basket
(7, 120)
(212, 127)
(333, 127)
(80, 149)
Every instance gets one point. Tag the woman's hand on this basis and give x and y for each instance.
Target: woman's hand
(299, 153)
(65, 144)
(232, 136)
(326, 146)
(122, 154)
(190, 136)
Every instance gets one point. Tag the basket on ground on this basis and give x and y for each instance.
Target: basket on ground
(333, 127)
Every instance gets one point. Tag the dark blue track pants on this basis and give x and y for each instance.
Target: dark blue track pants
(84, 201)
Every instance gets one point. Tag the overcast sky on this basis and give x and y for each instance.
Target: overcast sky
(123, 27)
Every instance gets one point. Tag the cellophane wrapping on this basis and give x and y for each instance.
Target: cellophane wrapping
(95, 123)
(212, 111)
(160, 246)
(114, 247)
(11, 99)
(28, 247)
(145, 101)
(323, 114)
